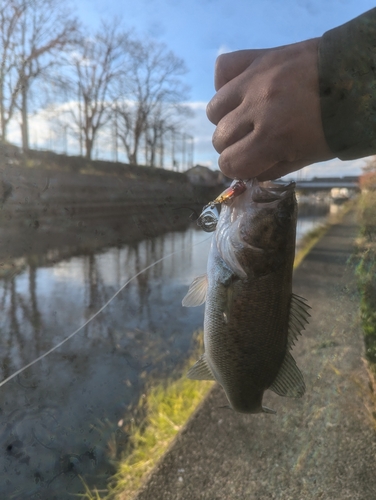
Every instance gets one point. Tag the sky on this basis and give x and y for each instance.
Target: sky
(199, 30)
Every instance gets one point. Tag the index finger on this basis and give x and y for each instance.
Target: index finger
(232, 64)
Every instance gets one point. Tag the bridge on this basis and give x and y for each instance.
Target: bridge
(328, 183)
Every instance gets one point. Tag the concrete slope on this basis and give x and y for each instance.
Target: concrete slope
(320, 447)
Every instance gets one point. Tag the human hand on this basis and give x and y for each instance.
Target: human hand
(267, 111)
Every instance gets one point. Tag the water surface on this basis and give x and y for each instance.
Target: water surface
(59, 418)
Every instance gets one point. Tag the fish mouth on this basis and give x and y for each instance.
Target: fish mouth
(268, 192)
(264, 193)
(236, 222)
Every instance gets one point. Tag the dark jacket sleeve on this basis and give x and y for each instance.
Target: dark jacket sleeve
(347, 72)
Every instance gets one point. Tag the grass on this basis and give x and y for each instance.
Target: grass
(366, 273)
(308, 241)
(167, 407)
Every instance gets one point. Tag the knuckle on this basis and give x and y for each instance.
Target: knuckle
(214, 111)
(220, 64)
(211, 111)
(218, 140)
(226, 166)
(221, 71)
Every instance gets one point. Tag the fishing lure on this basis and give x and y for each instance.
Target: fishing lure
(210, 213)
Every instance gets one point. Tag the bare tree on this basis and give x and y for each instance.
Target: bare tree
(151, 88)
(97, 64)
(47, 32)
(166, 118)
(10, 14)
(39, 31)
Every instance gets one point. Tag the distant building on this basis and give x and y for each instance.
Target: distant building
(204, 176)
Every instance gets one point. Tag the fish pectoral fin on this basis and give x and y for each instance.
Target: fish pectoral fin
(289, 381)
(265, 409)
(197, 292)
(201, 370)
(298, 318)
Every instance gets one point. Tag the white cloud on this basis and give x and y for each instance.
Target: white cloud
(202, 130)
(223, 49)
(332, 168)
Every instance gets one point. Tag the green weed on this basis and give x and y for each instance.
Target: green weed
(167, 406)
(366, 272)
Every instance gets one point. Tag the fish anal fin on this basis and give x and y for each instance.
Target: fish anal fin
(197, 292)
(200, 370)
(289, 381)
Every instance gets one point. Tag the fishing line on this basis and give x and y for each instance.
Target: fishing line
(3, 382)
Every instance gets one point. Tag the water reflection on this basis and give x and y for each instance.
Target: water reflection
(306, 224)
(58, 416)
(58, 419)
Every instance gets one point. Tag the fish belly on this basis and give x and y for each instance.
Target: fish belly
(246, 348)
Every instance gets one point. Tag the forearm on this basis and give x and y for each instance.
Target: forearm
(347, 77)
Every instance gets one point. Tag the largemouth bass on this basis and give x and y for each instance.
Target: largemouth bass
(252, 318)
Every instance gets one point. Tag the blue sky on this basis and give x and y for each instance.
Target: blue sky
(198, 30)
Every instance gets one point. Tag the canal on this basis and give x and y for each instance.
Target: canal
(59, 418)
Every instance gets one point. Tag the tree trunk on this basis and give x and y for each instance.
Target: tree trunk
(133, 158)
(152, 154)
(2, 114)
(161, 152)
(88, 148)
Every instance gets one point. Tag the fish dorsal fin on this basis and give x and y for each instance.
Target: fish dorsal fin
(289, 381)
(298, 318)
(201, 370)
(197, 292)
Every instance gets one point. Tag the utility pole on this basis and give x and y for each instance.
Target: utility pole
(173, 149)
(161, 150)
(115, 152)
(191, 151)
(65, 145)
(183, 150)
(80, 119)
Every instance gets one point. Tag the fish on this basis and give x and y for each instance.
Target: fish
(252, 318)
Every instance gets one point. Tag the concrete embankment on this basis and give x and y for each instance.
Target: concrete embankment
(93, 193)
(51, 201)
(320, 447)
